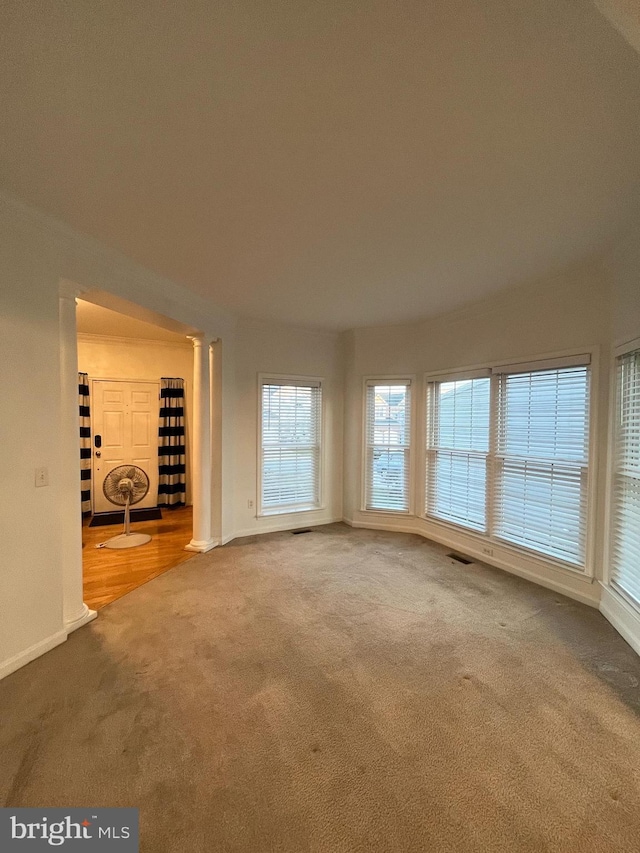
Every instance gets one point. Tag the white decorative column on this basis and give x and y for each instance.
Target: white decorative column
(201, 449)
(75, 611)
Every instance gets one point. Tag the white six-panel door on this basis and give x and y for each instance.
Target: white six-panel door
(125, 415)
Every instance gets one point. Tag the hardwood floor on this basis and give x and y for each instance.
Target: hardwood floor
(111, 574)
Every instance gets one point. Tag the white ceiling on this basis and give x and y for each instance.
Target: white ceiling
(333, 163)
(96, 320)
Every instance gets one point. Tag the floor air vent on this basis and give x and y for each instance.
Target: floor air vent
(464, 560)
(298, 532)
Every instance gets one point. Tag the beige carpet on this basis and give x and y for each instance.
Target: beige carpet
(337, 691)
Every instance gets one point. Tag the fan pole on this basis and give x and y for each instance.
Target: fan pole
(126, 481)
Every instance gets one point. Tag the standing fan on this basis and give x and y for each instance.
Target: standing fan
(125, 486)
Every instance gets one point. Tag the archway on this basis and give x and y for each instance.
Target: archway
(206, 390)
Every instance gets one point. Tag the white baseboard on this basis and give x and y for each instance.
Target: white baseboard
(408, 526)
(278, 527)
(574, 586)
(624, 618)
(33, 652)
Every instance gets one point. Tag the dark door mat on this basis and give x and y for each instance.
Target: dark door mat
(117, 517)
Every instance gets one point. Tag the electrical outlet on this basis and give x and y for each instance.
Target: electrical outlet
(42, 477)
(250, 504)
(488, 552)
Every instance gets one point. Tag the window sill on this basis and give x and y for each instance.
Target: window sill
(269, 513)
(394, 513)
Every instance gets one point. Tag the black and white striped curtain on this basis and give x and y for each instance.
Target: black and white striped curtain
(84, 415)
(172, 482)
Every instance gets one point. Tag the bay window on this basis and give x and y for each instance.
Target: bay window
(507, 455)
(388, 445)
(542, 460)
(625, 517)
(457, 450)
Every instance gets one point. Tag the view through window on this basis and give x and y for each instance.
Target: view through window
(388, 438)
(290, 446)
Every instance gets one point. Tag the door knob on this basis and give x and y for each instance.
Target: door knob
(98, 453)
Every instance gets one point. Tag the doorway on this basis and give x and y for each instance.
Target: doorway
(206, 530)
(127, 366)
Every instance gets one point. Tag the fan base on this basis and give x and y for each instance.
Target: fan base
(130, 541)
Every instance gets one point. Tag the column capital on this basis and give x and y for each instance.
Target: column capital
(69, 290)
(200, 339)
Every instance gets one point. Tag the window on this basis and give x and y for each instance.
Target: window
(542, 461)
(290, 445)
(507, 455)
(625, 520)
(388, 439)
(457, 450)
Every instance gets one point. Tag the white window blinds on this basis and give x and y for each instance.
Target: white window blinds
(541, 461)
(457, 451)
(291, 433)
(625, 522)
(388, 440)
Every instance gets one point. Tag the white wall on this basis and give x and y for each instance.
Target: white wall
(568, 311)
(30, 573)
(269, 348)
(623, 266)
(120, 358)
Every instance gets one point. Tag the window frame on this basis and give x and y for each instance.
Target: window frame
(284, 379)
(429, 451)
(619, 350)
(502, 458)
(376, 379)
(488, 541)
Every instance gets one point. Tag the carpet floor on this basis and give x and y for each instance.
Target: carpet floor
(342, 690)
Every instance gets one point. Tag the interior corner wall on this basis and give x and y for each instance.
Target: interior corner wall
(272, 348)
(352, 432)
(623, 265)
(103, 357)
(567, 311)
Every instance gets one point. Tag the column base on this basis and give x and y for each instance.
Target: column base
(200, 546)
(85, 616)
